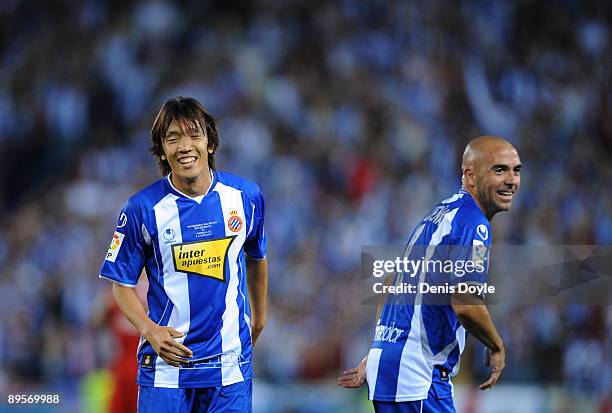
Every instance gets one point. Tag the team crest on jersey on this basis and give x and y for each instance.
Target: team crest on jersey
(234, 223)
(148, 361)
(205, 258)
(115, 246)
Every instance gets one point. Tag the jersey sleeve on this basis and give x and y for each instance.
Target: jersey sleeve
(470, 252)
(125, 257)
(255, 244)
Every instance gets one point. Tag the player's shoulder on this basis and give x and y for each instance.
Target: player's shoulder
(249, 188)
(467, 215)
(149, 196)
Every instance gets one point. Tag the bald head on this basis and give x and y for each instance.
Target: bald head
(479, 149)
(491, 173)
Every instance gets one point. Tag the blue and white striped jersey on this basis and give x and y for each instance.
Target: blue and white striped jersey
(193, 250)
(418, 344)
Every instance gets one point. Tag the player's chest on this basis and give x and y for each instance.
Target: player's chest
(187, 221)
(198, 238)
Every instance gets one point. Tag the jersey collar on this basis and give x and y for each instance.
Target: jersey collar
(199, 198)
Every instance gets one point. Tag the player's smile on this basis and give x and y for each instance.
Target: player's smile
(187, 161)
(506, 195)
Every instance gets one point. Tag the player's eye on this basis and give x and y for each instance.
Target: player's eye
(499, 170)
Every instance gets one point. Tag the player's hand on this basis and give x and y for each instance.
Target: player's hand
(497, 361)
(256, 329)
(353, 378)
(163, 341)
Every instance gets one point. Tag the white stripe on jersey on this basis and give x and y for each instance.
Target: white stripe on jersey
(461, 340)
(252, 220)
(231, 199)
(372, 368)
(175, 285)
(415, 371)
(452, 199)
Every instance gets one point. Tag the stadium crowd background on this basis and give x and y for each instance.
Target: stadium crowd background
(350, 115)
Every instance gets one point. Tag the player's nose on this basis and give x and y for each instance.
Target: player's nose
(184, 145)
(511, 179)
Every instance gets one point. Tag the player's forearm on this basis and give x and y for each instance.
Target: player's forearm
(476, 319)
(257, 283)
(131, 307)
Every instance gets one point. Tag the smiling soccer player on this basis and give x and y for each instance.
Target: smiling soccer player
(199, 233)
(412, 372)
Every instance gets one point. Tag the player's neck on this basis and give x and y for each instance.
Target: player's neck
(476, 198)
(193, 187)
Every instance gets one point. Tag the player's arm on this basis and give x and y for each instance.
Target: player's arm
(257, 286)
(475, 318)
(356, 376)
(161, 338)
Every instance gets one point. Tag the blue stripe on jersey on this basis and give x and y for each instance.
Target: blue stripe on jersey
(402, 369)
(245, 320)
(445, 320)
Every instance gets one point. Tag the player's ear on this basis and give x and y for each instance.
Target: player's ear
(468, 177)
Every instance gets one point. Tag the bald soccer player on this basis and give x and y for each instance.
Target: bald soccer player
(419, 337)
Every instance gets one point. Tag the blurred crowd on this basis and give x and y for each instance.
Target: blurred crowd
(351, 116)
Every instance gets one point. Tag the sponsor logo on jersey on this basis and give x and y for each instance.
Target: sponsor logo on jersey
(115, 246)
(482, 232)
(169, 234)
(205, 258)
(388, 334)
(234, 223)
(122, 220)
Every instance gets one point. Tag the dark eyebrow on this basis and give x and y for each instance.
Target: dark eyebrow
(505, 167)
(172, 133)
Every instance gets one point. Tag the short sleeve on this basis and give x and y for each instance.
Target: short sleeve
(125, 257)
(470, 252)
(255, 244)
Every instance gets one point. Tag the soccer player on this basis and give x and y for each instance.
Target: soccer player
(199, 234)
(418, 344)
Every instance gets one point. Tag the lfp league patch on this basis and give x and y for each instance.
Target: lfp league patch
(115, 246)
